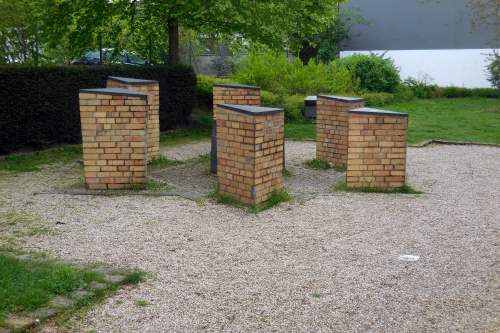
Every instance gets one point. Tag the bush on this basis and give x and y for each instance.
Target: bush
(39, 105)
(275, 73)
(454, 92)
(378, 99)
(375, 73)
(204, 89)
(292, 104)
(421, 88)
(494, 70)
(486, 92)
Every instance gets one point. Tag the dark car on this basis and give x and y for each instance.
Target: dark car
(110, 56)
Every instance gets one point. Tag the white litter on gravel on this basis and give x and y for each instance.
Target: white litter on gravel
(408, 257)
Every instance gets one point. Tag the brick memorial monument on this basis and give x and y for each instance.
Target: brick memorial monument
(332, 127)
(236, 94)
(114, 137)
(376, 149)
(152, 88)
(250, 142)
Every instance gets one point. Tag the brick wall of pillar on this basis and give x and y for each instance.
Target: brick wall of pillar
(114, 137)
(377, 149)
(250, 143)
(152, 88)
(236, 94)
(332, 127)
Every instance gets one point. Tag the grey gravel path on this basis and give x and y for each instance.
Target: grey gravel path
(186, 151)
(326, 265)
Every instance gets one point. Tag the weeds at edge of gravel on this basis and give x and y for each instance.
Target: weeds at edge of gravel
(276, 198)
(405, 189)
(316, 164)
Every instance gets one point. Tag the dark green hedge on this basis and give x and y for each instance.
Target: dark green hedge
(39, 105)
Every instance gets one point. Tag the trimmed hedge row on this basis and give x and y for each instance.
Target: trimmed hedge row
(39, 105)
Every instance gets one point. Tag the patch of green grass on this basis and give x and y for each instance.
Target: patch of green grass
(33, 161)
(459, 119)
(183, 136)
(406, 189)
(151, 185)
(287, 173)
(163, 162)
(317, 164)
(276, 198)
(30, 283)
(300, 131)
(14, 217)
(141, 303)
(316, 295)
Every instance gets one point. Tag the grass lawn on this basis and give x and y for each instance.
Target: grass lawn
(33, 161)
(181, 136)
(28, 284)
(461, 119)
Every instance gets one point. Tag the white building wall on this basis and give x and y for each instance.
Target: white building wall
(461, 68)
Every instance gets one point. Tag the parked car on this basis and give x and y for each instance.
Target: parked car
(109, 56)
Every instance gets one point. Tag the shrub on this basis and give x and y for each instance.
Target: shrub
(486, 92)
(421, 88)
(39, 105)
(404, 94)
(292, 104)
(276, 73)
(375, 73)
(378, 99)
(454, 92)
(494, 70)
(204, 92)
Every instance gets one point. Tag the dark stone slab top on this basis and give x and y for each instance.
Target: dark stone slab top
(345, 99)
(130, 80)
(378, 112)
(236, 85)
(249, 109)
(114, 91)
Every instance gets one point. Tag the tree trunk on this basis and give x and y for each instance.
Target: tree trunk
(307, 52)
(173, 41)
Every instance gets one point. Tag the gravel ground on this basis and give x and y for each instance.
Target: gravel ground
(188, 151)
(327, 264)
(194, 181)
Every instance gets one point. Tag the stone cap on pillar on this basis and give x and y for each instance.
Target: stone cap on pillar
(378, 112)
(344, 99)
(131, 81)
(310, 100)
(250, 110)
(236, 85)
(114, 91)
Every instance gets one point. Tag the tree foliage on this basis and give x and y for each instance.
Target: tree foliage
(73, 25)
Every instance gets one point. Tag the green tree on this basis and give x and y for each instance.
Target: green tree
(19, 30)
(125, 22)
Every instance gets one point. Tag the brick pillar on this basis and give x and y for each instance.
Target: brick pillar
(231, 94)
(250, 143)
(331, 127)
(377, 149)
(114, 137)
(152, 88)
